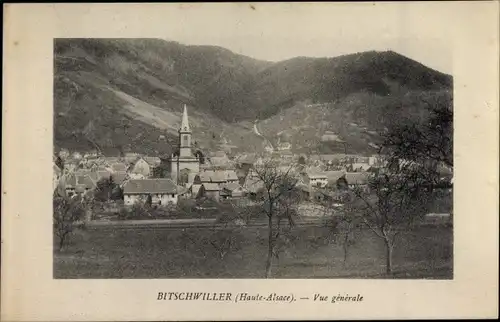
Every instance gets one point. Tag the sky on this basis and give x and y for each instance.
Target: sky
(281, 31)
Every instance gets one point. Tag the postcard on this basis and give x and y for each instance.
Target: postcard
(242, 161)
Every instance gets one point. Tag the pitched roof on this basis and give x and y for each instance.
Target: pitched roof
(85, 180)
(219, 176)
(253, 184)
(231, 175)
(155, 161)
(231, 186)
(356, 177)
(139, 186)
(213, 176)
(316, 175)
(118, 166)
(103, 174)
(70, 180)
(82, 172)
(211, 186)
(333, 176)
(206, 175)
(119, 177)
(94, 176)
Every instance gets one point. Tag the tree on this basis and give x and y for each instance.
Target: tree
(430, 139)
(59, 162)
(107, 189)
(341, 222)
(278, 189)
(301, 160)
(67, 211)
(162, 171)
(393, 202)
(200, 156)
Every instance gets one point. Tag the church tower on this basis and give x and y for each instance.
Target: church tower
(184, 166)
(185, 136)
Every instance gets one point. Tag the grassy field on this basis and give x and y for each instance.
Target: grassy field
(426, 252)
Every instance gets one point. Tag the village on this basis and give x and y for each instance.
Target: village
(218, 176)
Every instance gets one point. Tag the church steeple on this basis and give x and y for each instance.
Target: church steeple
(185, 122)
(185, 135)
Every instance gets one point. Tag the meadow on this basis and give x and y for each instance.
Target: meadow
(423, 252)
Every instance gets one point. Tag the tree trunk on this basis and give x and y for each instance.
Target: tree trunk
(345, 253)
(388, 248)
(270, 248)
(61, 241)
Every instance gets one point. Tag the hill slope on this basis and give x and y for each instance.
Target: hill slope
(127, 94)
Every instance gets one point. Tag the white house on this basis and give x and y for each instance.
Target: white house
(317, 179)
(159, 192)
(141, 167)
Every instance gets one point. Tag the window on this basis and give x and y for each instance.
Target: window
(173, 195)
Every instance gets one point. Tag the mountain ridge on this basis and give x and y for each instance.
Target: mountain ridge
(120, 86)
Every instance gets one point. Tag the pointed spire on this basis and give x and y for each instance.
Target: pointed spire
(185, 123)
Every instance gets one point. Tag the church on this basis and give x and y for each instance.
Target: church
(184, 166)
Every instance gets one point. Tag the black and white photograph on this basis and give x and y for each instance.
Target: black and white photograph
(250, 161)
(174, 160)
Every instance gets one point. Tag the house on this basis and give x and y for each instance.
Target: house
(212, 176)
(209, 190)
(76, 155)
(159, 192)
(77, 183)
(330, 136)
(231, 176)
(246, 159)
(131, 157)
(111, 160)
(252, 184)
(152, 161)
(284, 146)
(334, 176)
(103, 174)
(118, 167)
(231, 190)
(316, 179)
(119, 177)
(357, 179)
(361, 167)
(141, 168)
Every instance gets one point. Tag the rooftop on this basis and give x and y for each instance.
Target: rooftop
(139, 186)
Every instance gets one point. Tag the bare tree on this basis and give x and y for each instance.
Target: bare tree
(278, 186)
(393, 202)
(341, 221)
(67, 213)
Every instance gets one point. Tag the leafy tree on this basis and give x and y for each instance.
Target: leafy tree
(107, 190)
(162, 171)
(200, 156)
(59, 162)
(430, 139)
